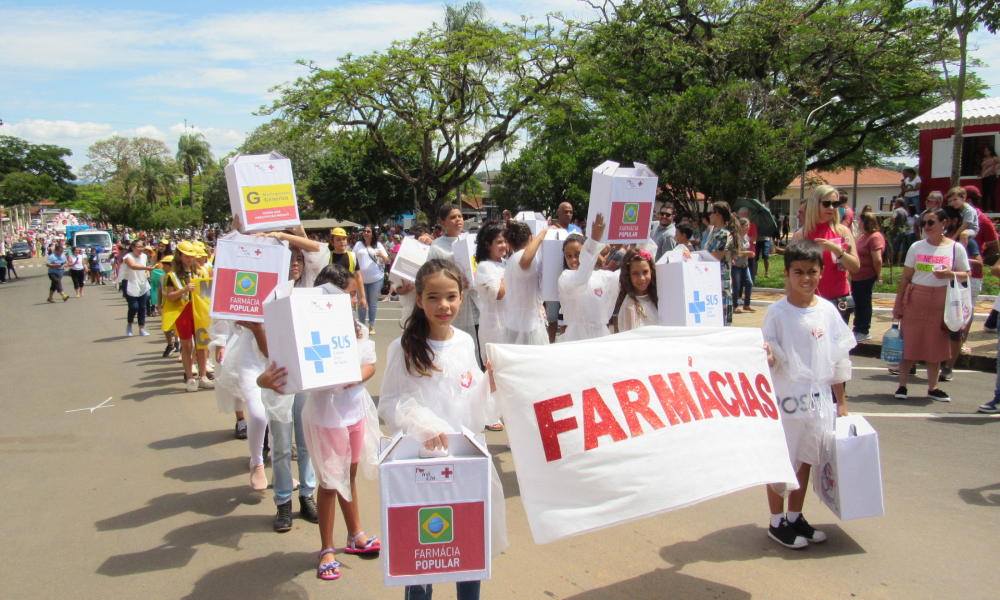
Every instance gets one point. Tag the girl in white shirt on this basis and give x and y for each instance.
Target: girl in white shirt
(638, 285)
(372, 259)
(491, 247)
(523, 313)
(433, 385)
(587, 293)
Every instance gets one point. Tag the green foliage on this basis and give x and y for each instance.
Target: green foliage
(215, 204)
(193, 155)
(26, 188)
(42, 169)
(114, 157)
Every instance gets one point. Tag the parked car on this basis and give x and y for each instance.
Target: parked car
(20, 250)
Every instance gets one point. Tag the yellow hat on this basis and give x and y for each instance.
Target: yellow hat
(165, 241)
(339, 232)
(188, 248)
(167, 259)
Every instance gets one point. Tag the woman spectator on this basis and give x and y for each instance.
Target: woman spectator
(95, 267)
(723, 244)
(372, 259)
(871, 244)
(822, 224)
(988, 178)
(77, 263)
(742, 281)
(930, 265)
(135, 275)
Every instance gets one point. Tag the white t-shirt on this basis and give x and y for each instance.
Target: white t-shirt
(77, 262)
(922, 257)
(970, 217)
(370, 261)
(811, 352)
(914, 181)
(138, 281)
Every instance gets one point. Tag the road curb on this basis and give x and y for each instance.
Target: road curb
(986, 364)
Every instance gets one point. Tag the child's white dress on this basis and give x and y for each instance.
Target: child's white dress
(492, 317)
(523, 314)
(630, 318)
(587, 297)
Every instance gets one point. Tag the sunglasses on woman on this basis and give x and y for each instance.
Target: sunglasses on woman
(829, 203)
(927, 223)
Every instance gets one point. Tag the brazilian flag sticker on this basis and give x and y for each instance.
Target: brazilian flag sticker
(631, 213)
(246, 284)
(436, 525)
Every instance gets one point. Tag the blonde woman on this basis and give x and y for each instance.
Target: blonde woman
(840, 255)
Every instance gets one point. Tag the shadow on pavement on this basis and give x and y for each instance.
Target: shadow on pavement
(199, 439)
(214, 503)
(511, 488)
(663, 583)
(116, 338)
(172, 390)
(213, 470)
(265, 578)
(979, 497)
(180, 545)
(750, 542)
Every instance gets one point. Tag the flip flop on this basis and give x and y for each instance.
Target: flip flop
(373, 546)
(330, 566)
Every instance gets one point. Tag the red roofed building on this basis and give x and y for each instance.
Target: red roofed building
(876, 188)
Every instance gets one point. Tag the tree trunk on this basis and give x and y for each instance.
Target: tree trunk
(956, 151)
(190, 190)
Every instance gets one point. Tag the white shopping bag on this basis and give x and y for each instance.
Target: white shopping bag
(311, 333)
(535, 220)
(465, 256)
(247, 269)
(958, 304)
(262, 192)
(848, 478)
(436, 524)
(625, 196)
(689, 290)
(551, 263)
(411, 256)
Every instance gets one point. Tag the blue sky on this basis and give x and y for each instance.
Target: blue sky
(76, 72)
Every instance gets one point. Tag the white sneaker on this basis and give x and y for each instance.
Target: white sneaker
(861, 337)
(192, 385)
(206, 383)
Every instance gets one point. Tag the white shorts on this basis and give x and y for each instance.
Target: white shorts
(804, 439)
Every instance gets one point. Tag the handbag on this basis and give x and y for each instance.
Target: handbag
(957, 304)
(844, 303)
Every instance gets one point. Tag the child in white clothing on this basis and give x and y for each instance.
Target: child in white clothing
(807, 347)
(638, 285)
(587, 293)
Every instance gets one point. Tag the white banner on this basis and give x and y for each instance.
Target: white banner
(623, 427)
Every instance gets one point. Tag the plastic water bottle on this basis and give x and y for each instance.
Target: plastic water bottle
(892, 345)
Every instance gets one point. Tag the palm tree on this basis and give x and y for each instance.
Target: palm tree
(193, 154)
(155, 177)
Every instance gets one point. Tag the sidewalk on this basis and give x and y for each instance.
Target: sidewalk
(983, 344)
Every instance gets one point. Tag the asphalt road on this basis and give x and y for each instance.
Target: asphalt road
(148, 495)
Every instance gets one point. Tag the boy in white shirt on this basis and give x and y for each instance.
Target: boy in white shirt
(807, 346)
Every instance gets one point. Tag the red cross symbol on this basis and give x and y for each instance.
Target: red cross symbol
(329, 305)
(258, 251)
(447, 473)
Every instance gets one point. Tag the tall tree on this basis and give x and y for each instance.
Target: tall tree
(961, 18)
(154, 178)
(481, 84)
(20, 156)
(116, 155)
(20, 188)
(193, 154)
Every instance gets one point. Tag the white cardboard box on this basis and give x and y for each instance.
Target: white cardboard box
(311, 333)
(626, 197)
(246, 271)
(262, 192)
(412, 255)
(435, 512)
(551, 263)
(464, 249)
(535, 220)
(848, 478)
(689, 291)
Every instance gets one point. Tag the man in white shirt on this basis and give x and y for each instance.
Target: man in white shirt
(910, 187)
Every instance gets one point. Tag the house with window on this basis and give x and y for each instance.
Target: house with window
(875, 187)
(980, 129)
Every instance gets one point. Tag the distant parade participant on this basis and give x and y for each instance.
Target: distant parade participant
(56, 263)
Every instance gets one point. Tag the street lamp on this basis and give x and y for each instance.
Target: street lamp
(805, 157)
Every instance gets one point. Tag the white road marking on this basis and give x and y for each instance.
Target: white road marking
(919, 369)
(92, 409)
(929, 415)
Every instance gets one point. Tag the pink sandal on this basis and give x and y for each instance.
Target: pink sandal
(372, 546)
(330, 566)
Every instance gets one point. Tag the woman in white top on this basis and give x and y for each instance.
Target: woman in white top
(135, 274)
(77, 263)
(587, 293)
(453, 223)
(931, 264)
(523, 313)
(372, 259)
(638, 285)
(491, 248)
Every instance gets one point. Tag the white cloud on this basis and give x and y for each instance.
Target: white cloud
(44, 131)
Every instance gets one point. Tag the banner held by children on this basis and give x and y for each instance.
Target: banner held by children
(688, 417)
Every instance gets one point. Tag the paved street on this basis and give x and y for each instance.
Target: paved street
(148, 496)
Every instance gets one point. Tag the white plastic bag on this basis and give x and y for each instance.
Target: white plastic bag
(958, 304)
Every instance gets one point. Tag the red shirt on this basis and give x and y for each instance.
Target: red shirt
(987, 231)
(833, 284)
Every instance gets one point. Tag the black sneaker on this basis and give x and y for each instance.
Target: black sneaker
(803, 528)
(901, 393)
(283, 520)
(786, 536)
(168, 351)
(945, 374)
(307, 509)
(241, 429)
(938, 395)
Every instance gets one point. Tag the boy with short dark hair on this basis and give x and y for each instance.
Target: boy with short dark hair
(807, 346)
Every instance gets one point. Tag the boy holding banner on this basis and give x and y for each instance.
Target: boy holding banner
(807, 346)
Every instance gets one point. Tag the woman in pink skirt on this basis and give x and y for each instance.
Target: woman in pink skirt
(930, 264)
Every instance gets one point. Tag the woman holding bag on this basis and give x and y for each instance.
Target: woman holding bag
(930, 265)
(372, 259)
